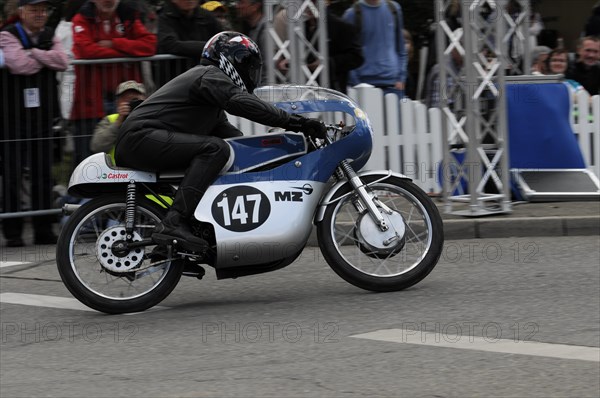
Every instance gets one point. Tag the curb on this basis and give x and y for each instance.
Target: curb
(486, 228)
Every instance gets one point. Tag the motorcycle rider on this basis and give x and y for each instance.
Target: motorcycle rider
(183, 125)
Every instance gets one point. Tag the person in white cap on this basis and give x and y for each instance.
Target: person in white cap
(129, 95)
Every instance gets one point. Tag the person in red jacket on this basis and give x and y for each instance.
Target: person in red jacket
(104, 29)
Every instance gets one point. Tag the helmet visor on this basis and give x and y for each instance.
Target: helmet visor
(252, 67)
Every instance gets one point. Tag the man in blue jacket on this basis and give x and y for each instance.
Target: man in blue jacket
(380, 23)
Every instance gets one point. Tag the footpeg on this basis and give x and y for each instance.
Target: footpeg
(193, 270)
(192, 256)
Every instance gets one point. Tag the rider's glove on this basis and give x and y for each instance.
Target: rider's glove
(309, 127)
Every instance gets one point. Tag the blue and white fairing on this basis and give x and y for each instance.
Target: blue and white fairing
(262, 216)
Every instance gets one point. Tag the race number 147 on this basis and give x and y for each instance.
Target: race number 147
(238, 212)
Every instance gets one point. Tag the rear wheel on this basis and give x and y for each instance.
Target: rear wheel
(100, 271)
(376, 260)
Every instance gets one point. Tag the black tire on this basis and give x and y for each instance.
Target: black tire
(415, 256)
(79, 265)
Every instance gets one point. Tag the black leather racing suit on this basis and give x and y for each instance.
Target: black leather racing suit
(182, 126)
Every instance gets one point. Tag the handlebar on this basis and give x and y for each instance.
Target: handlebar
(334, 127)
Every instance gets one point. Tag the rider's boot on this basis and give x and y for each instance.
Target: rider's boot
(175, 228)
(200, 174)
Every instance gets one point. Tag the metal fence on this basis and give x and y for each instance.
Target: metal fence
(48, 121)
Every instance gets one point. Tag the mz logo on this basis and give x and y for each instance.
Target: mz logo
(293, 196)
(288, 196)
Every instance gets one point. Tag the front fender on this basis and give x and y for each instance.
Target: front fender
(338, 190)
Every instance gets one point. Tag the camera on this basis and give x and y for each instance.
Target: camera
(134, 103)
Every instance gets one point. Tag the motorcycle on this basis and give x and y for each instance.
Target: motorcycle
(376, 229)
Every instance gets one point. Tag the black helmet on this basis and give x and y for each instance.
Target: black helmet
(237, 56)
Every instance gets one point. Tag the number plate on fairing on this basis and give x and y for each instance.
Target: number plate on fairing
(241, 209)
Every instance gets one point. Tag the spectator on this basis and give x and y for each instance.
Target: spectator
(539, 57)
(11, 13)
(165, 133)
(516, 46)
(592, 27)
(146, 10)
(557, 64)
(344, 49)
(434, 91)
(412, 66)
(183, 29)
(220, 12)
(32, 56)
(380, 24)
(55, 13)
(536, 25)
(66, 79)
(146, 13)
(103, 29)
(129, 95)
(586, 70)
(558, 61)
(453, 15)
(250, 12)
(280, 24)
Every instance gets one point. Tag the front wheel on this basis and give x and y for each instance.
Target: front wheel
(382, 261)
(105, 278)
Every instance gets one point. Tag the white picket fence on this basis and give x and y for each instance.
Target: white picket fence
(408, 136)
(586, 127)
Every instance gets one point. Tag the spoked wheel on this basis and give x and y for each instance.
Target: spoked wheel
(100, 270)
(363, 255)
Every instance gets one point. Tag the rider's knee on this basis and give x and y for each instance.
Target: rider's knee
(219, 149)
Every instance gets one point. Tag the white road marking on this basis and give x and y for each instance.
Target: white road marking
(38, 300)
(562, 351)
(11, 263)
(66, 303)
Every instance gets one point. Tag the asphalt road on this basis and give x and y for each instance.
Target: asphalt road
(467, 330)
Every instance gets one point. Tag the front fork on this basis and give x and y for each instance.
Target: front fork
(366, 199)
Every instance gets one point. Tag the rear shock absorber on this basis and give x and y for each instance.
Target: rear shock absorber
(130, 210)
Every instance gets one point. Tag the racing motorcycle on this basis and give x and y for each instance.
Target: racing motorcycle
(376, 229)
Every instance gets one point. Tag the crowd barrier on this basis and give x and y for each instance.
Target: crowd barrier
(407, 138)
(49, 150)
